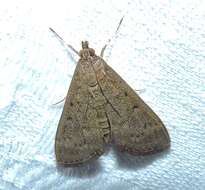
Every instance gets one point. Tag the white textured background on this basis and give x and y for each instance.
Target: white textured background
(160, 48)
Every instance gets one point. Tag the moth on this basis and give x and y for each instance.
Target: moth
(101, 108)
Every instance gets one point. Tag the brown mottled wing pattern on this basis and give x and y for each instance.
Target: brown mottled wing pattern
(135, 128)
(78, 139)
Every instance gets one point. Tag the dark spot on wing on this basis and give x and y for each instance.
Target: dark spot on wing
(135, 107)
(145, 126)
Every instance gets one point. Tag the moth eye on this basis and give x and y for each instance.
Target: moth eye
(71, 104)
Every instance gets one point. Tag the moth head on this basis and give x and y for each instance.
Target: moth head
(85, 44)
(86, 51)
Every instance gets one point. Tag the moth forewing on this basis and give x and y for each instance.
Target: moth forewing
(135, 127)
(77, 138)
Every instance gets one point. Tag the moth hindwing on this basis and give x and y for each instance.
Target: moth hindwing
(102, 108)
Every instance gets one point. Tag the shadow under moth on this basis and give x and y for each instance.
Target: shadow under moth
(101, 108)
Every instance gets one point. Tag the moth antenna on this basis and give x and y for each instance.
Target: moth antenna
(58, 102)
(61, 39)
(109, 40)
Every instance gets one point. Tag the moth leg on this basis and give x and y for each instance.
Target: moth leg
(61, 39)
(140, 90)
(109, 40)
(59, 102)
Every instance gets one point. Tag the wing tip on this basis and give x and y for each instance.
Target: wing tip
(146, 151)
(64, 160)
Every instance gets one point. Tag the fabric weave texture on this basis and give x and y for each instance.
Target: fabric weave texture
(159, 50)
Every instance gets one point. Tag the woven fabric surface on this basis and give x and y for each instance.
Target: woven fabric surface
(159, 50)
